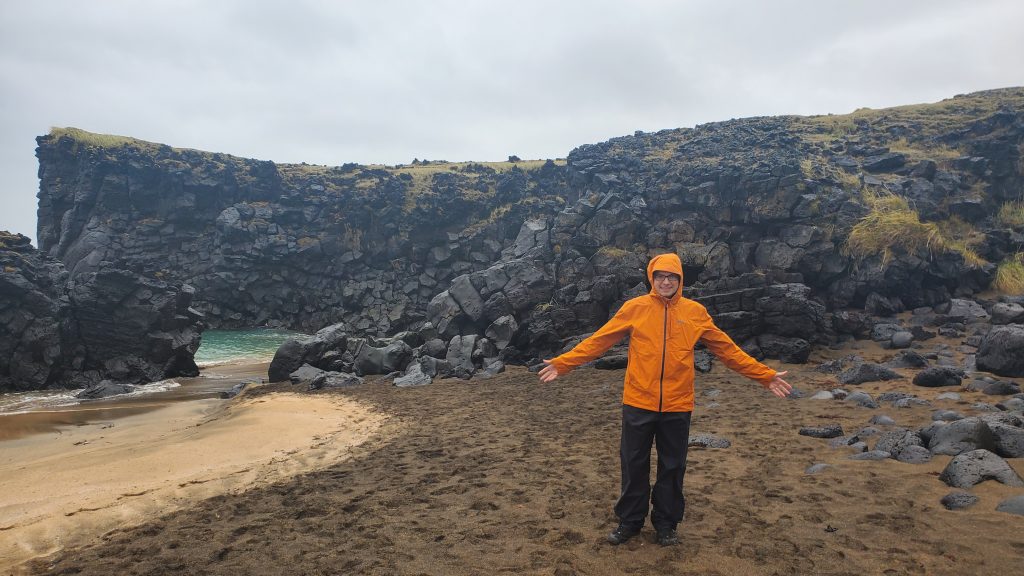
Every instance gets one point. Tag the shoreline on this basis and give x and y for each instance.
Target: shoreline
(212, 380)
(90, 471)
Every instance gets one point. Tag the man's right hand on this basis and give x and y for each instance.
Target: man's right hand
(548, 372)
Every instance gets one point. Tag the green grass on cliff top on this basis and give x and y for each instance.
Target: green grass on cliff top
(112, 141)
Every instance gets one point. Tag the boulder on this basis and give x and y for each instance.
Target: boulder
(937, 376)
(959, 500)
(970, 468)
(866, 372)
(961, 436)
(105, 389)
(895, 441)
(334, 380)
(872, 455)
(414, 376)
(1002, 351)
(1007, 313)
(460, 355)
(501, 331)
(914, 455)
(1012, 505)
(306, 374)
(827, 431)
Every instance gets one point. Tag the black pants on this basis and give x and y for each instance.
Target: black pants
(671, 432)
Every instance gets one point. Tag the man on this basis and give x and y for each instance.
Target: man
(657, 397)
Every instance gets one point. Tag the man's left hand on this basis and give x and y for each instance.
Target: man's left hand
(778, 386)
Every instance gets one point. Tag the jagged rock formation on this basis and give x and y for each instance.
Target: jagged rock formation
(762, 212)
(71, 331)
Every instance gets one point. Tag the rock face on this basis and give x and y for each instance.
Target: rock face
(63, 331)
(532, 256)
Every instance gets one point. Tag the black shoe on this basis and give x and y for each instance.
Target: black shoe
(668, 537)
(621, 534)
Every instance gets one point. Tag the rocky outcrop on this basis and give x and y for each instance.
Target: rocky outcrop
(531, 256)
(64, 331)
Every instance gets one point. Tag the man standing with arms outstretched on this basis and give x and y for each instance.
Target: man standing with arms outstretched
(657, 396)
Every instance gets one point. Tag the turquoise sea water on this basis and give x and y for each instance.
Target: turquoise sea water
(223, 346)
(217, 347)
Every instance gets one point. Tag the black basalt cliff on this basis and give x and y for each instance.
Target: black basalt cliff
(785, 226)
(74, 331)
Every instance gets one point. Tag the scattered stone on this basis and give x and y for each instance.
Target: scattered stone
(938, 376)
(708, 441)
(910, 402)
(827, 431)
(305, 374)
(840, 394)
(1001, 388)
(961, 436)
(872, 455)
(882, 420)
(895, 441)
(947, 415)
(822, 395)
(1007, 313)
(866, 372)
(902, 339)
(335, 380)
(893, 396)
(1002, 351)
(817, 468)
(1014, 505)
(1008, 440)
(414, 376)
(234, 391)
(907, 359)
(948, 396)
(959, 500)
(1011, 405)
(914, 455)
(862, 399)
(105, 389)
(973, 467)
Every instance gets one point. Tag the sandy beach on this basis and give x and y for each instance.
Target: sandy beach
(88, 470)
(508, 476)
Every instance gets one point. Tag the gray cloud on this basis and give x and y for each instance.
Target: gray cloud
(376, 81)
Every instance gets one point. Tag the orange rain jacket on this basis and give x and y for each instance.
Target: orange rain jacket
(663, 332)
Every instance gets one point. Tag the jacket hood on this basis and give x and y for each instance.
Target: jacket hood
(665, 263)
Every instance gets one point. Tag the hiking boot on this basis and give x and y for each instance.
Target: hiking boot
(622, 533)
(668, 537)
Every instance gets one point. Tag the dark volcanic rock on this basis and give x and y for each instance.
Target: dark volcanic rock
(866, 372)
(536, 256)
(105, 389)
(959, 500)
(938, 376)
(1002, 351)
(59, 331)
(973, 467)
(828, 431)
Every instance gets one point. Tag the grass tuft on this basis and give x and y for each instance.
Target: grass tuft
(1009, 278)
(893, 227)
(1011, 214)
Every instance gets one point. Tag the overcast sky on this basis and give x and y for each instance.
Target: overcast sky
(380, 81)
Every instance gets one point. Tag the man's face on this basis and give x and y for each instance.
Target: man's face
(665, 283)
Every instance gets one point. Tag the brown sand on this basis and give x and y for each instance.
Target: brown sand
(68, 487)
(509, 476)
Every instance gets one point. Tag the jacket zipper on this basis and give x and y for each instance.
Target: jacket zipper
(664, 346)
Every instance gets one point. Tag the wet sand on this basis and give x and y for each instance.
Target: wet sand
(509, 476)
(124, 464)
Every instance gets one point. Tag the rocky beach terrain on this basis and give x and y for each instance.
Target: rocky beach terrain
(877, 255)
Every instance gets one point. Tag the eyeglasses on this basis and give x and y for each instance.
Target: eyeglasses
(661, 277)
